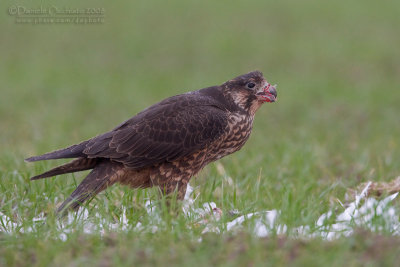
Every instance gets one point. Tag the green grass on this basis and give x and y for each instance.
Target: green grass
(336, 124)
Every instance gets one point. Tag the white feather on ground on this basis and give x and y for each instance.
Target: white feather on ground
(359, 213)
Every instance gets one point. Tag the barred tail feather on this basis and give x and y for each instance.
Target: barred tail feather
(101, 177)
(80, 164)
(74, 151)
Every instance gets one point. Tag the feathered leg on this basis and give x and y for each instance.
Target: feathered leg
(178, 186)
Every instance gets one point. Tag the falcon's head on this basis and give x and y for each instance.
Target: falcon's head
(250, 91)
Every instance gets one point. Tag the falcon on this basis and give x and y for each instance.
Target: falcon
(168, 143)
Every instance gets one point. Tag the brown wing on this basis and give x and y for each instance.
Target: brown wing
(166, 131)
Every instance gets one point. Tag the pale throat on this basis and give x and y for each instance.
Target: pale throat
(242, 101)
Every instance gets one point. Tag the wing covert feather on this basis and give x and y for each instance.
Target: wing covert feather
(166, 133)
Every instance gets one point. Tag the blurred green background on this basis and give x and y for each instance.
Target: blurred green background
(336, 63)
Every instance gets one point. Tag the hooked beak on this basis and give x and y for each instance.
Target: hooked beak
(268, 94)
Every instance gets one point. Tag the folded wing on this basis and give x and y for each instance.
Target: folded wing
(162, 133)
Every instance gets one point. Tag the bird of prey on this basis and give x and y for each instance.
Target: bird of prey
(167, 143)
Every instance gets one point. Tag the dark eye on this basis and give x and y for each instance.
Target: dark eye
(250, 85)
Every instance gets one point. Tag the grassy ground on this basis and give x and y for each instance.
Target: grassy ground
(336, 123)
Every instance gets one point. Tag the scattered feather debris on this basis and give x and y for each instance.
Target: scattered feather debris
(365, 211)
(375, 189)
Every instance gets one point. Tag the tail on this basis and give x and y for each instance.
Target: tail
(102, 176)
(80, 164)
(74, 151)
